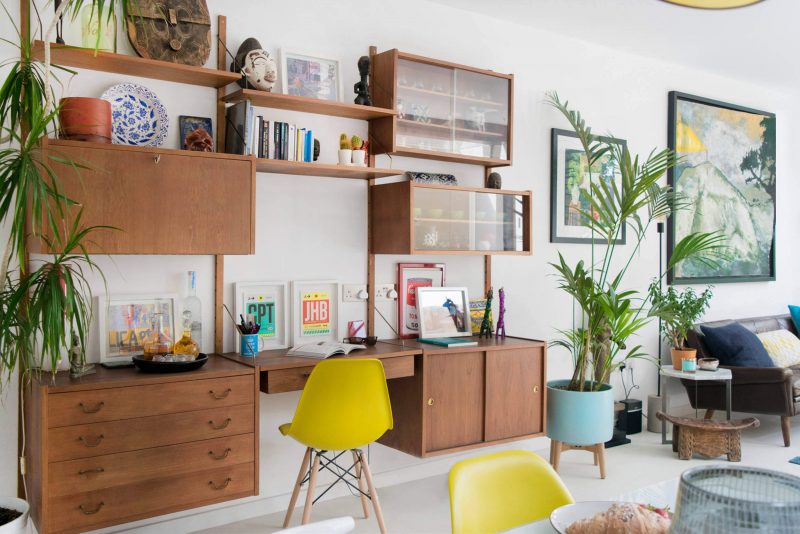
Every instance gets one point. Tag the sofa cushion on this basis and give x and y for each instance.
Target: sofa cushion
(794, 311)
(736, 346)
(796, 390)
(782, 346)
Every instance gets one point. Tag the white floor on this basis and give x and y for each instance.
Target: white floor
(422, 506)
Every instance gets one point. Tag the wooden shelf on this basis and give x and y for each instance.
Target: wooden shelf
(461, 221)
(308, 105)
(480, 101)
(85, 58)
(445, 129)
(470, 189)
(302, 168)
(453, 158)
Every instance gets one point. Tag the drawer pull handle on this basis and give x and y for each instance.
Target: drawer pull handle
(86, 442)
(90, 471)
(220, 427)
(96, 408)
(92, 512)
(536, 389)
(221, 486)
(220, 456)
(430, 402)
(157, 159)
(223, 395)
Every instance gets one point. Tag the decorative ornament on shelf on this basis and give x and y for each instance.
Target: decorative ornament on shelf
(486, 324)
(345, 150)
(359, 153)
(316, 149)
(361, 87)
(85, 119)
(137, 115)
(494, 181)
(260, 70)
(196, 133)
(500, 332)
(248, 45)
(431, 178)
(77, 359)
(178, 31)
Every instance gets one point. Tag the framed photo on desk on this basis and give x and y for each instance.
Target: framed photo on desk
(315, 311)
(411, 276)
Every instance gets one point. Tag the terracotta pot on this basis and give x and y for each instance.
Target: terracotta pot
(679, 355)
(85, 119)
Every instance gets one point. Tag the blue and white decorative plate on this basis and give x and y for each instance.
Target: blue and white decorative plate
(137, 115)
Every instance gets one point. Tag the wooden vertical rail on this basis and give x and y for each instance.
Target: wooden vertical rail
(370, 319)
(487, 259)
(219, 260)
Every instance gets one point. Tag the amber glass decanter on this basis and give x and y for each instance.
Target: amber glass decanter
(186, 349)
(158, 342)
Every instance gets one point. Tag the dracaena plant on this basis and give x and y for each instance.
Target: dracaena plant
(41, 302)
(611, 313)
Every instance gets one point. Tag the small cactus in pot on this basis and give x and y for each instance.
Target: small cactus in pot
(345, 150)
(359, 151)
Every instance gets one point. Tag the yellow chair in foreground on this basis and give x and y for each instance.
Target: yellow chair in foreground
(503, 490)
(344, 407)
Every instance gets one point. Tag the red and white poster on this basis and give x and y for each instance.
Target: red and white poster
(411, 276)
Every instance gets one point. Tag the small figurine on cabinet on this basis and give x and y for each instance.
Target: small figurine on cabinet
(486, 325)
(361, 87)
(316, 149)
(501, 315)
(77, 360)
(198, 140)
(494, 181)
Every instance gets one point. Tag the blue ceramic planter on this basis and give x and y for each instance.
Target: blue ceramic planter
(579, 417)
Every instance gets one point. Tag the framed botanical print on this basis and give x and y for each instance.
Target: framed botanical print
(726, 174)
(124, 322)
(411, 276)
(315, 311)
(268, 302)
(570, 187)
(310, 76)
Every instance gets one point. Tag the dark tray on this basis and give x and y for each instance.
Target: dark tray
(149, 366)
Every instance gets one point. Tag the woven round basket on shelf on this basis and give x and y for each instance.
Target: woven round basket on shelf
(727, 500)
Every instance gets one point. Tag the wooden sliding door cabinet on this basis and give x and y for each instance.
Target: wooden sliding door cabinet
(471, 397)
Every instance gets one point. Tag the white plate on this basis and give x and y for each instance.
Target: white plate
(137, 115)
(564, 516)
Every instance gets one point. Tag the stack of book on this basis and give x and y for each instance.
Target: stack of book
(253, 135)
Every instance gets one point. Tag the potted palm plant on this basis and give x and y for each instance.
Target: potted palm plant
(580, 409)
(43, 302)
(678, 313)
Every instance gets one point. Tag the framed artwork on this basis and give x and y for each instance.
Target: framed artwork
(443, 312)
(570, 190)
(269, 303)
(310, 76)
(124, 322)
(727, 175)
(193, 132)
(410, 276)
(315, 311)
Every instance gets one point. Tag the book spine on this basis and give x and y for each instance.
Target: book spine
(248, 122)
(292, 142)
(285, 141)
(260, 144)
(264, 138)
(309, 146)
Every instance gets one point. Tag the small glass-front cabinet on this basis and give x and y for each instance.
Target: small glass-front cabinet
(412, 218)
(444, 111)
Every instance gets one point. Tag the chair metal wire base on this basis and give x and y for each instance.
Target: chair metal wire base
(341, 474)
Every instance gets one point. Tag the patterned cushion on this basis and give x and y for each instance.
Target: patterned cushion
(796, 389)
(782, 346)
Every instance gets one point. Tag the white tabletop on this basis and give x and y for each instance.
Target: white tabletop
(699, 375)
(659, 495)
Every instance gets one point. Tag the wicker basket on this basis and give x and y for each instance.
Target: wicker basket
(727, 500)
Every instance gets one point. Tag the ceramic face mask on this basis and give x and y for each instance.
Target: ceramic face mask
(259, 69)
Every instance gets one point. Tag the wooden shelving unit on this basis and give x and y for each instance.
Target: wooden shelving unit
(69, 56)
(308, 105)
(453, 158)
(301, 168)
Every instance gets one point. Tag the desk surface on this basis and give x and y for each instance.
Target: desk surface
(503, 343)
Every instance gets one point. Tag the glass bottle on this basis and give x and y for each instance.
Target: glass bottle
(158, 342)
(186, 349)
(192, 305)
(107, 28)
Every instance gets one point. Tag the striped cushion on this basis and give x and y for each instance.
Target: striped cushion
(782, 346)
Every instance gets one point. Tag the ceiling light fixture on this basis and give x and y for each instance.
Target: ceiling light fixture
(714, 4)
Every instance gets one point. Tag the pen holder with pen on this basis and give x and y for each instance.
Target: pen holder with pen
(249, 345)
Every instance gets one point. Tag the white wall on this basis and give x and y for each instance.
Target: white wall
(315, 228)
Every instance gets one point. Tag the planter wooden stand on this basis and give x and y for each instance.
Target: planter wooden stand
(598, 450)
(708, 437)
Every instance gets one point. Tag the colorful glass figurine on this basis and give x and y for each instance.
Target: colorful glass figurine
(501, 315)
(486, 324)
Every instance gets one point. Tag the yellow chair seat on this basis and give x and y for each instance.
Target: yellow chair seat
(503, 490)
(284, 428)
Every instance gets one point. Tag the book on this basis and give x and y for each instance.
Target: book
(235, 134)
(260, 136)
(323, 349)
(292, 139)
(309, 146)
(449, 341)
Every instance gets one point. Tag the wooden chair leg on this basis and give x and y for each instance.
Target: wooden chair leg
(552, 450)
(595, 458)
(709, 414)
(310, 491)
(297, 485)
(373, 495)
(600, 451)
(361, 485)
(556, 455)
(786, 428)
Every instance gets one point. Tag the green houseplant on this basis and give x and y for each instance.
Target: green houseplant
(678, 313)
(580, 409)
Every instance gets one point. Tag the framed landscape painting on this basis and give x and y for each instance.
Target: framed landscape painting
(570, 187)
(726, 172)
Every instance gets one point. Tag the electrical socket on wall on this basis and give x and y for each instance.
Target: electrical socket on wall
(383, 292)
(353, 292)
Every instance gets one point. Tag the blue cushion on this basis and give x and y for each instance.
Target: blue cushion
(735, 345)
(795, 313)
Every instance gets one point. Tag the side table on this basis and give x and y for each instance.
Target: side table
(722, 375)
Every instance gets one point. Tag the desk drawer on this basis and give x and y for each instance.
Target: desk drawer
(90, 474)
(93, 509)
(95, 439)
(81, 407)
(295, 379)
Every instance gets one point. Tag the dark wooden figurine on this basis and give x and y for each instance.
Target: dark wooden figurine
(361, 87)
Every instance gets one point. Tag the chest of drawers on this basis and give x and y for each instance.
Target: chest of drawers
(119, 445)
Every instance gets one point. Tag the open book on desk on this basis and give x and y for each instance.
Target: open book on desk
(323, 349)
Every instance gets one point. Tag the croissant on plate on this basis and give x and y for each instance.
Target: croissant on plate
(623, 518)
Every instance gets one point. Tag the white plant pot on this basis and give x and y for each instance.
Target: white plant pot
(345, 156)
(20, 524)
(360, 158)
